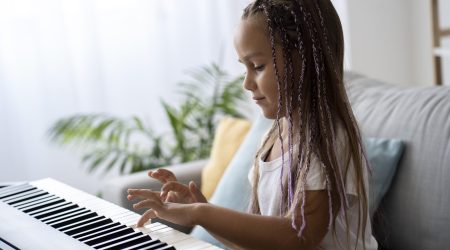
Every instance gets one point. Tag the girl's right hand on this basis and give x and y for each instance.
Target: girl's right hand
(174, 191)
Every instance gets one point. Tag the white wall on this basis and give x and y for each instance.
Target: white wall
(62, 57)
(380, 39)
(392, 40)
(445, 22)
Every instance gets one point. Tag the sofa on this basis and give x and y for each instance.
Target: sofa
(415, 211)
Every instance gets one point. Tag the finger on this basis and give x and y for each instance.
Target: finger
(175, 187)
(148, 215)
(196, 193)
(141, 193)
(155, 175)
(153, 203)
(163, 175)
(171, 197)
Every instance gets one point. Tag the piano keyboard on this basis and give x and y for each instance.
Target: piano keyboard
(47, 214)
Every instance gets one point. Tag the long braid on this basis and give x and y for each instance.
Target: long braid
(340, 188)
(329, 117)
(300, 89)
(318, 62)
(328, 112)
(288, 107)
(274, 59)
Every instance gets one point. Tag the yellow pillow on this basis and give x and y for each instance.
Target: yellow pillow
(229, 135)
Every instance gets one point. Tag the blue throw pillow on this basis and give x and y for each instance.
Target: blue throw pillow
(234, 190)
(383, 155)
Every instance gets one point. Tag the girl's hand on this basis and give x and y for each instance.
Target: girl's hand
(182, 214)
(174, 191)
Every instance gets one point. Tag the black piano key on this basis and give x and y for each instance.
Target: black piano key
(29, 210)
(155, 246)
(20, 195)
(86, 234)
(117, 239)
(129, 242)
(25, 198)
(166, 248)
(16, 201)
(102, 232)
(80, 223)
(144, 244)
(108, 236)
(13, 187)
(35, 201)
(53, 209)
(8, 193)
(5, 245)
(61, 217)
(73, 219)
(62, 213)
(16, 193)
(83, 228)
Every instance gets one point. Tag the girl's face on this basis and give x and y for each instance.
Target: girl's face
(254, 50)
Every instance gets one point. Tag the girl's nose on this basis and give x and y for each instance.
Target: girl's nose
(249, 83)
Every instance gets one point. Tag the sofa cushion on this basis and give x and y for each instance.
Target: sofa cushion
(414, 212)
(229, 135)
(383, 155)
(233, 190)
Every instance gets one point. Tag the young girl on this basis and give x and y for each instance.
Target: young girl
(309, 178)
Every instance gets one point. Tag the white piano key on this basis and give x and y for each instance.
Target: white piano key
(83, 223)
(34, 201)
(140, 245)
(88, 233)
(116, 245)
(190, 243)
(50, 208)
(14, 189)
(72, 214)
(111, 242)
(21, 195)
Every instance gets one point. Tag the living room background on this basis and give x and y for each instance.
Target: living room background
(61, 57)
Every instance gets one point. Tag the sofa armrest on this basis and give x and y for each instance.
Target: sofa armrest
(115, 190)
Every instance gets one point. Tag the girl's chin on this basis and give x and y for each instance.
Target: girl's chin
(268, 114)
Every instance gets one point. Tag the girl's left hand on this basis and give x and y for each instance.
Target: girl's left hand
(181, 214)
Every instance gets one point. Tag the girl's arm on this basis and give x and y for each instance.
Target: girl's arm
(268, 232)
(248, 231)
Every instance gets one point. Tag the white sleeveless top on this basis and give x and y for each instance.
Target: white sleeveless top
(269, 199)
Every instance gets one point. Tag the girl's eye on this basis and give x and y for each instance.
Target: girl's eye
(258, 68)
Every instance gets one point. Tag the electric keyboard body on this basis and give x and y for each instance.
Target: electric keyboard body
(47, 214)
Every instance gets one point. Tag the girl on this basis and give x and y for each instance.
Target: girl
(309, 177)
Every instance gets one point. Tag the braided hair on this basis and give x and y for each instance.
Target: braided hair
(310, 36)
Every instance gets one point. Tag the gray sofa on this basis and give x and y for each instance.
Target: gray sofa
(415, 212)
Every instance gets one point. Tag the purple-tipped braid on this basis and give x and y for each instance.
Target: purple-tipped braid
(288, 107)
(274, 59)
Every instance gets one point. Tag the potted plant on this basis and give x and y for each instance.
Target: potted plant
(131, 145)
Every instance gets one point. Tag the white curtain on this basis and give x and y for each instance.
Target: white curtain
(61, 57)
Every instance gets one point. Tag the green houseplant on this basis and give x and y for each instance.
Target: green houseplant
(132, 145)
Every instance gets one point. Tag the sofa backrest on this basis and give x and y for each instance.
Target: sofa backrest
(415, 213)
